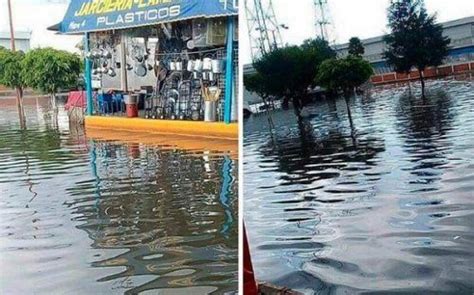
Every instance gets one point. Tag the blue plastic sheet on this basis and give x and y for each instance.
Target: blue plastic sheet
(99, 15)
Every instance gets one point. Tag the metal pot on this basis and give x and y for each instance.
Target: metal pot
(95, 54)
(210, 111)
(140, 70)
(198, 65)
(111, 72)
(211, 76)
(190, 65)
(217, 66)
(207, 64)
(130, 98)
(179, 65)
(106, 54)
(172, 66)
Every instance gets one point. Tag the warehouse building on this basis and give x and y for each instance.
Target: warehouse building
(460, 31)
(22, 40)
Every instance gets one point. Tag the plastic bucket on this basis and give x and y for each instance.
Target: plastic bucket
(132, 110)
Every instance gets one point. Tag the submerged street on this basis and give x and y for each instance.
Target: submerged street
(83, 216)
(389, 208)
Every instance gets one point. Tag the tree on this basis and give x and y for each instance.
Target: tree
(416, 40)
(344, 75)
(10, 76)
(10, 68)
(356, 47)
(288, 72)
(49, 70)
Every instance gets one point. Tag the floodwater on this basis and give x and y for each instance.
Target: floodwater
(389, 209)
(83, 216)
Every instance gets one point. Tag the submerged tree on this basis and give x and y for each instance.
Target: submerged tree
(49, 70)
(10, 76)
(416, 40)
(289, 72)
(356, 47)
(344, 75)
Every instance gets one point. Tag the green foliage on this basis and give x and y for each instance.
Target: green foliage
(318, 50)
(257, 84)
(10, 68)
(288, 72)
(344, 74)
(356, 47)
(415, 40)
(48, 70)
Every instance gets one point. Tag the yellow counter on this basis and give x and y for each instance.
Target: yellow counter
(183, 128)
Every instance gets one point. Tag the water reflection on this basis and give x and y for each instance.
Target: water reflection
(308, 157)
(388, 210)
(102, 216)
(424, 125)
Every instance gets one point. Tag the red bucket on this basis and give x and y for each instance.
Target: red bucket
(132, 110)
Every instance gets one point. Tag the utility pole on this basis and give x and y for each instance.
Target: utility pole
(12, 31)
(321, 15)
(19, 91)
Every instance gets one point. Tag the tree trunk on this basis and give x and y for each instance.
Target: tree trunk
(53, 101)
(55, 120)
(422, 79)
(21, 111)
(297, 107)
(349, 113)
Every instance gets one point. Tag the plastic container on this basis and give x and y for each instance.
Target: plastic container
(131, 105)
(132, 110)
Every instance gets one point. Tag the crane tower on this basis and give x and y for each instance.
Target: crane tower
(263, 28)
(322, 17)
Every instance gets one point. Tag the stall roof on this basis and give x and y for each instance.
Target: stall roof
(100, 15)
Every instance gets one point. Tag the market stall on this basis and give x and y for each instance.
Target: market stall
(158, 59)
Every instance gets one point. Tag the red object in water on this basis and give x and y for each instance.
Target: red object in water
(76, 99)
(132, 110)
(250, 285)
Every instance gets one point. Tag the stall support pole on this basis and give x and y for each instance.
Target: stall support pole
(88, 77)
(123, 62)
(229, 71)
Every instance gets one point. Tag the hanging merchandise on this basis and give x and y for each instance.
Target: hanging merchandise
(211, 96)
(216, 35)
(183, 63)
(200, 33)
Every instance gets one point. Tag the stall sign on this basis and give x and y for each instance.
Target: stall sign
(99, 15)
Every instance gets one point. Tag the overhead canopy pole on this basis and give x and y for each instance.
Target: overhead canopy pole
(123, 62)
(88, 75)
(229, 71)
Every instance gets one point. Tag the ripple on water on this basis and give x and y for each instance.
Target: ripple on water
(389, 209)
(101, 217)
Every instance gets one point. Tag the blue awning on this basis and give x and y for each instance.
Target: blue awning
(99, 15)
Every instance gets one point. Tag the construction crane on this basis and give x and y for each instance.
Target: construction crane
(263, 27)
(322, 16)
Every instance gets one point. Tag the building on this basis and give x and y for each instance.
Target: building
(22, 40)
(460, 31)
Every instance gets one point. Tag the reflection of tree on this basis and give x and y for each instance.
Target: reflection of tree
(167, 205)
(43, 146)
(302, 156)
(424, 125)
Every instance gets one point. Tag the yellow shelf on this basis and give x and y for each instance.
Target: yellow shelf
(183, 128)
